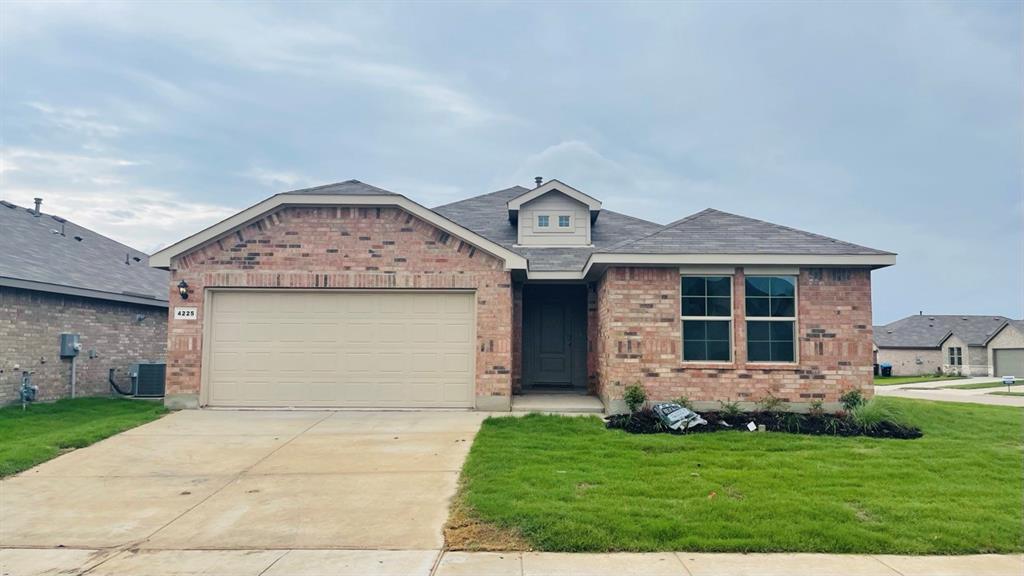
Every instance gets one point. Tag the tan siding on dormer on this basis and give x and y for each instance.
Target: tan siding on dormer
(554, 204)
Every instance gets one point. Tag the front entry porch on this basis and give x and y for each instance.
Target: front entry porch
(554, 351)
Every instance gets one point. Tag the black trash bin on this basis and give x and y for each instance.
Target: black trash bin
(876, 369)
(886, 370)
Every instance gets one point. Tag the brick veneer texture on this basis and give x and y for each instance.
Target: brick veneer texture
(638, 340)
(345, 247)
(31, 322)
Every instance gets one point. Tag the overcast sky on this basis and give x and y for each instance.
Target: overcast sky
(896, 126)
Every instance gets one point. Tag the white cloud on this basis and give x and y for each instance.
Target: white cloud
(279, 178)
(98, 192)
(84, 122)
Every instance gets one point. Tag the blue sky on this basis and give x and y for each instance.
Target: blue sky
(898, 126)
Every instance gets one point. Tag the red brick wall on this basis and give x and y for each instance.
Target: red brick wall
(638, 340)
(341, 247)
(119, 333)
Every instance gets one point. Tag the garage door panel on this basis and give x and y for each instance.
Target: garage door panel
(366, 349)
(1008, 362)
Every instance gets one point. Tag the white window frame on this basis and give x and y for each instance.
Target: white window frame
(794, 319)
(729, 318)
(547, 221)
(568, 220)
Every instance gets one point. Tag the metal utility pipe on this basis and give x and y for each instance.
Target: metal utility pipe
(74, 361)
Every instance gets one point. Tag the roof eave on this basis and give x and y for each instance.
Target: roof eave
(600, 260)
(82, 292)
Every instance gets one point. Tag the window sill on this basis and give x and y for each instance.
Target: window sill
(707, 365)
(773, 365)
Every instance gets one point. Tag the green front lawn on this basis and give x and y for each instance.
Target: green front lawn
(1006, 393)
(894, 380)
(567, 483)
(978, 385)
(45, 430)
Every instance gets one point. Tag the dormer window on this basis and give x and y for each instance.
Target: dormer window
(563, 221)
(542, 221)
(553, 215)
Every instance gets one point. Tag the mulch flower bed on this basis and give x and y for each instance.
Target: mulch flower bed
(645, 421)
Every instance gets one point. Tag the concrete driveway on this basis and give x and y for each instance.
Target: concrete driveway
(246, 481)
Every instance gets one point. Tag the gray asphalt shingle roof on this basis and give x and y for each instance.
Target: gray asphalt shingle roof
(715, 232)
(346, 188)
(487, 215)
(33, 250)
(924, 331)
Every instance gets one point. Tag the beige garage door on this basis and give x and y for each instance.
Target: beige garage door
(1009, 362)
(344, 348)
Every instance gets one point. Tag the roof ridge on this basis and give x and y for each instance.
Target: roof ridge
(484, 195)
(797, 230)
(668, 226)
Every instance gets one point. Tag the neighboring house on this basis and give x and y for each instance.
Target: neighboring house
(349, 295)
(57, 277)
(965, 345)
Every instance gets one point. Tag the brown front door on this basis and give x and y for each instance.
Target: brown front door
(554, 336)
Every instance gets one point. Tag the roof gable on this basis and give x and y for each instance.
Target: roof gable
(348, 193)
(593, 204)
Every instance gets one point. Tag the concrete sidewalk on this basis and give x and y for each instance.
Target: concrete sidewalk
(38, 562)
(934, 391)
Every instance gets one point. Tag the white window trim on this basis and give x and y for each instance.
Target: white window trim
(547, 223)
(568, 218)
(959, 355)
(729, 318)
(794, 319)
(553, 227)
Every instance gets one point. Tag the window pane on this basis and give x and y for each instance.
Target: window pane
(759, 351)
(758, 286)
(694, 307)
(783, 286)
(757, 331)
(781, 330)
(783, 307)
(694, 330)
(717, 330)
(757, 307)
(782, 351)
(694, 350)
(718, 306)
(542, 221)
(719, 286)
(718, 350)
(693, 286)
(563, 221)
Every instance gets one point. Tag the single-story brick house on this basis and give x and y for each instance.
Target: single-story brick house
(58, 277)
(951, 344)
(350, 295)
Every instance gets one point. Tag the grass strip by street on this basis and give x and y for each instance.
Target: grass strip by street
(1005, 393)
(896, 380)
(569, 484)
(979, 385)
(46, 430)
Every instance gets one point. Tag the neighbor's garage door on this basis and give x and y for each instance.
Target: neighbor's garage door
(1009, 362)
(344, 348)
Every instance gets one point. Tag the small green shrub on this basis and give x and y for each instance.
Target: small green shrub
(770, 404)
(730, 409)
(792, 422)
(684, 402)
(635, 397)
(852, 399)
(868, 416)
(817, 408)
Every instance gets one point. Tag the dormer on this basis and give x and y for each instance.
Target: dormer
(553, 215)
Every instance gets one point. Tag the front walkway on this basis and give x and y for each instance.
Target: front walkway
(933, 391)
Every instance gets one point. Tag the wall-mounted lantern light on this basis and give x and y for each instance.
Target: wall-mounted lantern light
(183, 290)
